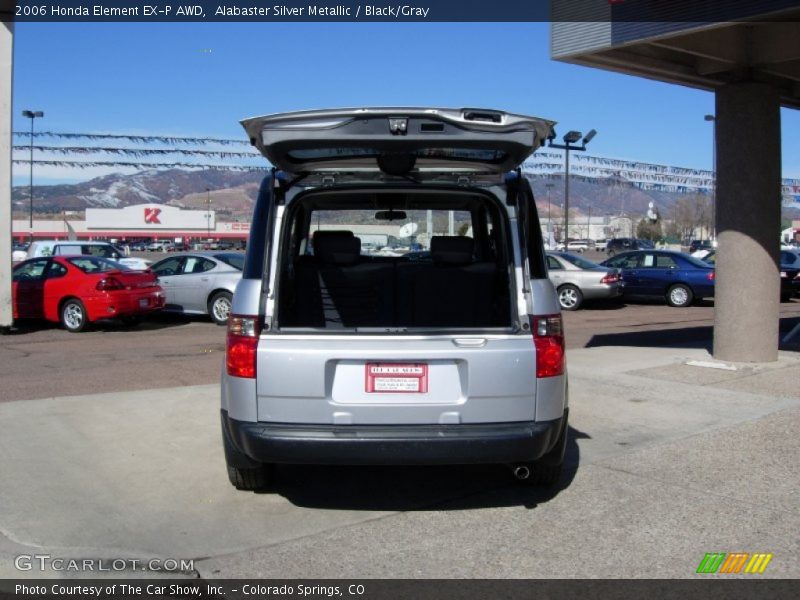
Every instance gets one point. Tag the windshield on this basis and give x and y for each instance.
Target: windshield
(234, 260)
(95, 264)
(579, 262)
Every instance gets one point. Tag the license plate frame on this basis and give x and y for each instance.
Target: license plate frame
(396, 378)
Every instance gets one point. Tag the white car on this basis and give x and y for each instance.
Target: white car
(579, 246)
(74, 248)
(160, 246)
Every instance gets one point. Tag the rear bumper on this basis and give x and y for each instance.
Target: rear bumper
(116, 304)
(290, 443)
(602, 292)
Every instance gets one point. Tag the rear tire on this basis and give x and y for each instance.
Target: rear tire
(570, 297)
(250, 480)
(679, 295)
(244, 473)
(219, 307)
(73, 315)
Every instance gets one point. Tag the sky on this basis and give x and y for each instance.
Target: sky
(200, 79)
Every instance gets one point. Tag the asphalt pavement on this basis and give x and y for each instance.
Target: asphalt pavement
(669, 457)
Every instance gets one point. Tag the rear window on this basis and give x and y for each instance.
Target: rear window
(579, 262)
(234, 260)
(695, 262)
(92, 264)
(409, 235)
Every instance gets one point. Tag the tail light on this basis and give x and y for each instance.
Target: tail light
(610, 278)
(108, 284)
(711, 276)
(548, 336)
(242, 343)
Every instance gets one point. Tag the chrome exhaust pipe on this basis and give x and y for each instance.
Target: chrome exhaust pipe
(521, 472)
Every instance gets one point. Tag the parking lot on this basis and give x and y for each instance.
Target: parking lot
(42, 360)
(112, 439)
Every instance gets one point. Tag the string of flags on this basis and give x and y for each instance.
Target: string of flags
(139, 165)
(646, 176)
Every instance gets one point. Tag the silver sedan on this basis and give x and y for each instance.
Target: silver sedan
(200, 283)
(577, 279)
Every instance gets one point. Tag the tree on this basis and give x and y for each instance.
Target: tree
(648, 230)
(683, 218)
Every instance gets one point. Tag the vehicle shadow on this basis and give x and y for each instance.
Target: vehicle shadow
(602, 305)
(685, 337)
(401, 488)
(149, 323)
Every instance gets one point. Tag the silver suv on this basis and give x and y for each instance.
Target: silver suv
(395, 306)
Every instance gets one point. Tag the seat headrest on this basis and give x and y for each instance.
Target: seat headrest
(336, 247)
(447, 250)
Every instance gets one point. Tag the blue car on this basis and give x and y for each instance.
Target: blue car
(674, 276)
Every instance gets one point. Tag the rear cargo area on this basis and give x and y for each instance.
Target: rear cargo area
(394, 261)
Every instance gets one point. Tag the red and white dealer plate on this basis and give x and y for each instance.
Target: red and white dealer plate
(404, 378)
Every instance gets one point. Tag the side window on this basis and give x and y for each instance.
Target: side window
(553, 264)
(648, 261)
(31, 271)
(56, 270)
(665, 262)
(68, 249)
(171, 266)
(624, 262)
(197, 264)
(98, 250)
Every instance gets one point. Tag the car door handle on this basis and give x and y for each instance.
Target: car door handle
(204, 279)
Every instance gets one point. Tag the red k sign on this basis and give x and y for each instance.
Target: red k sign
(151, 215)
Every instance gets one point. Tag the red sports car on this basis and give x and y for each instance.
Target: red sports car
(76, 290)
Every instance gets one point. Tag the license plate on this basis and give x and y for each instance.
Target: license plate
(382, 378)
(143, 302)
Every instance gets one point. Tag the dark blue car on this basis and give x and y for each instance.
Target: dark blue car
(674, 276)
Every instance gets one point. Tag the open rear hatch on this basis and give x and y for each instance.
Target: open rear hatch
(397, 140)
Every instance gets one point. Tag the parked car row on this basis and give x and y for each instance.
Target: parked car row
(170, 246)
(41, 248)
(678, 278)
(79, 289)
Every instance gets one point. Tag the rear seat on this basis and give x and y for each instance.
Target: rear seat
(453, 291)
(337, 289)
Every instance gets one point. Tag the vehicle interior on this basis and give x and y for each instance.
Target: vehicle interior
(394, 260)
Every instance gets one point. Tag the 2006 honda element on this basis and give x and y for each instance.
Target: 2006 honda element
(395, 306)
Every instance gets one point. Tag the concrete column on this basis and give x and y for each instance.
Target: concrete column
(748, 223)
(6, 46)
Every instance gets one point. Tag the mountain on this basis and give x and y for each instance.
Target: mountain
(232, 193)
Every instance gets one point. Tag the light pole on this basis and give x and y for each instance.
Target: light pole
(570, 138)
(31, 114)
(208, 213)
(549, 187)
(713, 120)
